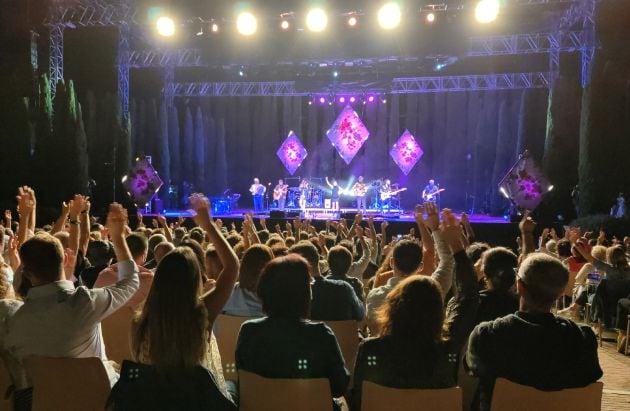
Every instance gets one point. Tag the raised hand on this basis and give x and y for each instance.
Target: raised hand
(7, 215)
(139, 218)
(201, 207)
(601, 239)
(161, 220)
(116, 221)
(25, 204)
(527, 224)
(419, 214)
(451, 231)
(433, 218)
(263, 223)
(155, 223)
(219, 223)
(384, 225)
(77, 205)
(553, 234)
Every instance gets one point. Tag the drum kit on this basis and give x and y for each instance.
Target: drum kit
(314, 197)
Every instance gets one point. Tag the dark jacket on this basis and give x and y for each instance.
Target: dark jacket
(537, 350)
(401, 365)
(335, 300)
(355, 283)
(496, 304)
(287, 348)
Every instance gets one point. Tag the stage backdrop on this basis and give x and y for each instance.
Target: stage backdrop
(469, 140)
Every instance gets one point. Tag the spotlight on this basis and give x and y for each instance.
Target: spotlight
(389, 16)
(550, 188)
(316, 20)
(165, 26)
(241, 73)
(384, 101)
(246, 23)
(214, 27)
(342, 100)
(430, 18)
(487, 11)
(504, 192)
(353, 99)
(285, 25)
(322, 100)
(310, 103)
(335, 74)
(352, 21)
(371, 99)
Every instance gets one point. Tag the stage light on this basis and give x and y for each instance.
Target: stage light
(322, 100)
(384, 101)
(487, 11)
(430, 18)
(310, 103)
(371, 99)
(285, 25)
(335, 74)
(389, 16)
(165, 26)
(214, 28)
(246, 23)
(316, 20)
(550, 188)
(353, 99)
(342, 100)
(241, 73)
(352, 21)
(504, 192)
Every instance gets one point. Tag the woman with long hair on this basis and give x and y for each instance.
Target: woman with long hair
(418, 346)
(173, 331)
(244, 302)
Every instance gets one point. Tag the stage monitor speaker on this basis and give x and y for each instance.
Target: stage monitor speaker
(349, 216)
(277, 214)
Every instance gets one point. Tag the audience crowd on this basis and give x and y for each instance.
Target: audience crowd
(427, 306)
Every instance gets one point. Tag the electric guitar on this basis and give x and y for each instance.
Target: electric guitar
(431, 197)
(389, 194)
(280, 192)
(359, 190)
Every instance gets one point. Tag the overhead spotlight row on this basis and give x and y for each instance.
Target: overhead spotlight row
(389, 17)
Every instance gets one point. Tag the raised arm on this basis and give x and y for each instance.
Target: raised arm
(527, 226)
(443, 274)
(216, 299)
(77, 205)
(84, 236)
(25, 212)
(167, 230)
(61, 220)
(428, 245)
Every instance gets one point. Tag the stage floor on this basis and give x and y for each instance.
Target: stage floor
(321, 214)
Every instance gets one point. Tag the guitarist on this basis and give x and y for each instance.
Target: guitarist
(431, 192)
(280, 194)
(359, 189)
(384, 198)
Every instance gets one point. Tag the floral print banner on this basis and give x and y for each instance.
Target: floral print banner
(406, 152)
(292, 153)
(525, 183)
(348, 134)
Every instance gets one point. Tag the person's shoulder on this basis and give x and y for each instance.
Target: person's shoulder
(9, 307)
(379, 291)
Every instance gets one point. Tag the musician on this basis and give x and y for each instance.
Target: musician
(335, 193)
(304, 187)
(280, 194)
(431, 192)
(258, 191)
(359, 189)
(385, 197)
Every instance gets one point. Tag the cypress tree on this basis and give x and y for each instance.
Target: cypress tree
(200, 151)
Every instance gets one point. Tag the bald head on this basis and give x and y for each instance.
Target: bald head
(161, 250)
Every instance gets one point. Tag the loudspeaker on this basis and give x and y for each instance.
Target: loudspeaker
(349, 216)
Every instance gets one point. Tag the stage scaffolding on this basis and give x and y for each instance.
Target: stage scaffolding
(125, 14)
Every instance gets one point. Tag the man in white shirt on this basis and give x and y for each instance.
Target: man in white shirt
(58, 320)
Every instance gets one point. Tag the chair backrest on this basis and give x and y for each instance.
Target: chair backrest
(117, 334)
(347, 333)
(226, 329)
(510, 396)
(68, 384)
(378, 398)
(5, 383)
(257, 393)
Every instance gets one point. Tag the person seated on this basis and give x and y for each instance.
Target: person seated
(154, 240)
(161, 250)
(533, 347)
(420, 351)
(8, 307)
(138, 246)
(581, 279)
(333, 300)
(173, 331)
(284, 344)
(498, 299)
(244, 302)
(339, 262)
(59, 320)
(100, 255)
(405, 260)
(616, 272)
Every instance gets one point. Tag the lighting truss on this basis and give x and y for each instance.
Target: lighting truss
(55, 65)
(189, 57)
(90, 13)
(240, 89)
(506, 81)
(527, 43)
